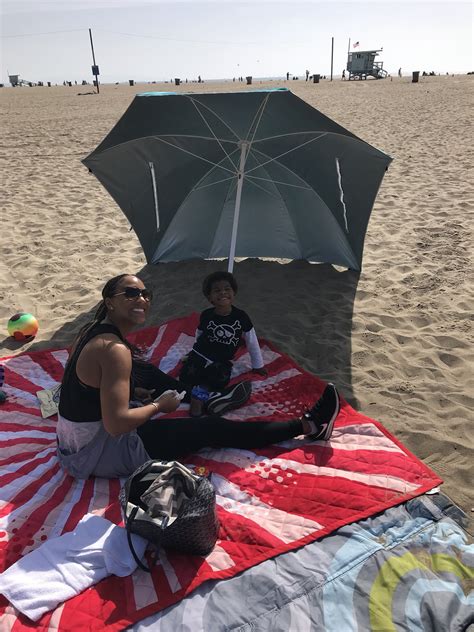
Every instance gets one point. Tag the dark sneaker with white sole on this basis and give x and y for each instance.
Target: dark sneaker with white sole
(323, 414)
(232, 397)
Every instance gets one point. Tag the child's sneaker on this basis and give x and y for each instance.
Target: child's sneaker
(229, 399)
(323, 414)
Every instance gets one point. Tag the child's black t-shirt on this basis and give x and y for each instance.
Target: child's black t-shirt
(221, 335)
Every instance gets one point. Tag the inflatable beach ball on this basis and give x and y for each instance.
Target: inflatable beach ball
(23, 326)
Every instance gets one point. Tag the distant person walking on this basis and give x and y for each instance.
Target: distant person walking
(344, 74)
(287, 76)
(399, 72)
(307, 75)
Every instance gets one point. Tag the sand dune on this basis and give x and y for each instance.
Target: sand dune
(397, 338)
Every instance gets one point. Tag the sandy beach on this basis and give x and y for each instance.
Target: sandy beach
(396, 339)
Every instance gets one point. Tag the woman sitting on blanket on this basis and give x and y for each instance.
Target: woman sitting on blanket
(99, 433)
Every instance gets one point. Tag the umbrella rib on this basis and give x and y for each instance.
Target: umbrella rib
(308, 131)
(221, 140)
(196, 187)
(258, 113)
(272, 181)
(287, 184)
(217, 116)
(348, 136)
(163, 136)
(186, 151)
(257, 151)
(232, 185)
(211, 130)
(270, 193)
(287, 152)
(205, 186)
(251, 178)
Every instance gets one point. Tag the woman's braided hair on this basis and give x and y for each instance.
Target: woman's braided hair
(109, 290)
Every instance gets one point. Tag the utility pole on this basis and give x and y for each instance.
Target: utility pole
(332, 54)
(95, 68)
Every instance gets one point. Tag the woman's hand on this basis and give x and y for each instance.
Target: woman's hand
(169, 401)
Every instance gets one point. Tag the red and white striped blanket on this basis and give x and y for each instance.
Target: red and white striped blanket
(270, 500)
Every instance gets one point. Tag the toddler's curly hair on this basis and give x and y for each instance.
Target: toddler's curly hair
(215, 277)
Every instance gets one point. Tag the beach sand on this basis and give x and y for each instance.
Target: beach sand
(397, 340)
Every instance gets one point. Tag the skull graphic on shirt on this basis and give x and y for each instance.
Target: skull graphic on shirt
(225, 334)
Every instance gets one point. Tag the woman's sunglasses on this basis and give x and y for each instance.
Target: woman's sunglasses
(132, 293)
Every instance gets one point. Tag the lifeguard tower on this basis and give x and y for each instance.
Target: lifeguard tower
(16, 81)
(362, 64)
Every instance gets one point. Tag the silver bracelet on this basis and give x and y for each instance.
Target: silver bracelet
(155, 405)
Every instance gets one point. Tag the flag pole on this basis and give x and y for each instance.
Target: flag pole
(349, 46)
(95, 68)
(240, 181)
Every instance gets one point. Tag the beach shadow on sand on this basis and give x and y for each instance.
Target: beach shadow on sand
(304, 309)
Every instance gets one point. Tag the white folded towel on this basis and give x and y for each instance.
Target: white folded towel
(65, 566)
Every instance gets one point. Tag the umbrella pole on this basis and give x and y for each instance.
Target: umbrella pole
(240, 182)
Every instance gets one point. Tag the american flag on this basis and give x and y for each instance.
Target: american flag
(269, 500)
(355, 45)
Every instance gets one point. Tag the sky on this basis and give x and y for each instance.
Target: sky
(157, 40)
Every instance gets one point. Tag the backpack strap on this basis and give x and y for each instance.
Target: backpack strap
(137, 475)
(128, 522)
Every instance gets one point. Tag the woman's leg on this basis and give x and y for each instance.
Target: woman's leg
(172, 438)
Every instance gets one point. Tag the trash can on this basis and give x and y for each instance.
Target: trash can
(249, 80)
(177, 81)
(131, 82)
(49, 84)
(316, 78)
(415, 76)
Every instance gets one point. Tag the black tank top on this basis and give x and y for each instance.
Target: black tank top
(77, 401)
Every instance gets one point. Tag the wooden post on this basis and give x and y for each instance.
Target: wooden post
(332, 54)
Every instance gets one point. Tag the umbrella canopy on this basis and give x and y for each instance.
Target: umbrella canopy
(245, 174)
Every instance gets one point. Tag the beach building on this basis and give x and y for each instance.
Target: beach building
(362, 64)
(16, 81)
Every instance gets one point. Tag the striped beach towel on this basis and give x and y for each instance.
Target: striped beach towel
(269, 500)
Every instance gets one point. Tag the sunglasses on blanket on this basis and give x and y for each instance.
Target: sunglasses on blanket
(132, 293)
